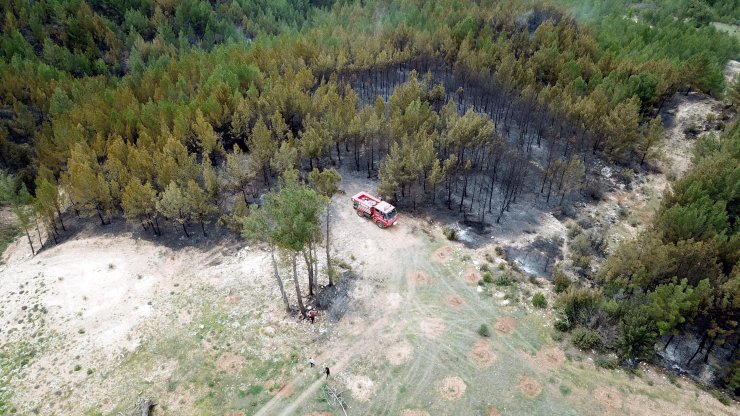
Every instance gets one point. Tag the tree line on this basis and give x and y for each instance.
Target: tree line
(680, 277)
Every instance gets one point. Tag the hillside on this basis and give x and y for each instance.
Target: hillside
(174, 199)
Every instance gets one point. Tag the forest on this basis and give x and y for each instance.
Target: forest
(179, 116)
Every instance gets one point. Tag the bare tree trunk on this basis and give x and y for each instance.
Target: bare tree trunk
(309, 267)
(701, 346)
(277, 277)
(30, 243)
(59, 213)
(297, 286)
(329, 270)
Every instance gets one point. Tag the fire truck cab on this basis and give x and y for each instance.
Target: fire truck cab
(380, 212)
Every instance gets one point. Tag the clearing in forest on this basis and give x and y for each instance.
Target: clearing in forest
(203, 331)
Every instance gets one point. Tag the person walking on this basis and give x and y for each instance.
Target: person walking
(311, 362)
(326, 371)
(312, 315)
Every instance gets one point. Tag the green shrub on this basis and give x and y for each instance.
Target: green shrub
(561, 280)
(449, 233)
(564, 390)
(484, 331)
(504, 280)
(586, 339)
(607, 363)
(484, 268)
(487, 277)
(578, 303)
(562, 325)
(539, 301)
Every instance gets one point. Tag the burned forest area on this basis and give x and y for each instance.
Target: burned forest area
(377, 207)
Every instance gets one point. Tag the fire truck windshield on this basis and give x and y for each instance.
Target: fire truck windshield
(390, 215)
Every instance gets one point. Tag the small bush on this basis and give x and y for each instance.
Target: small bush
(504, 280)
(574, 230)
(721, 397)
(539, 301)
(484, 331)
(449, 233)
(557, 336)
(562, 325)
(484, 268)
(586, 339)
(607, 363)
(578, 304)
(623, 211)
(564, 390)
(502, 266)
(594, 191)
(487, 277)
(489, 257)
(78, 367)
(499, 251)
(561, 281)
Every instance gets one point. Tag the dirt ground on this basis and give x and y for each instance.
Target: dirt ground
(90, 324)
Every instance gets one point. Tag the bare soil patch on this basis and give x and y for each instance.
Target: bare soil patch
(393, 301)
(482, 354)
(492, 411)
(451, 388)
(505, 325)
(399, 353)
(235, 414)
(361, 387)
(230, 363)
(529, 387)
(454, 301)
(432, 328)
(443, 254)
(608, 397)
(286, 391)
(471, 276)
(550, 357)
(418, 278)
(414, 412)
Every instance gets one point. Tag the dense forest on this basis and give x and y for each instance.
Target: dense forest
(185, 113)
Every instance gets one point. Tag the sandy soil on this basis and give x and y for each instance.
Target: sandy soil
(529, 387)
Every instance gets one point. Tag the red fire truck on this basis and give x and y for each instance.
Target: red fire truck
(380, 212)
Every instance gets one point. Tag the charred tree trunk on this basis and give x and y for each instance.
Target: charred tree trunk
(297, 285)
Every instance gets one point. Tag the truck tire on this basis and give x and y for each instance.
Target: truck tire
(360, 213)
(379, 224)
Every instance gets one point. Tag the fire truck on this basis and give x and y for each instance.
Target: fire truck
(380, 212)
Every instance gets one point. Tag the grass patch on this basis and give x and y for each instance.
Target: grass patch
(564, 390)
(539, 301)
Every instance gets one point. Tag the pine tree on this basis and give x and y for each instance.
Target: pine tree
(139, 203)
(200, 205)
(175, 206)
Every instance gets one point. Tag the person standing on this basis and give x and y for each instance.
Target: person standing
(311, 362)
(326, 371)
